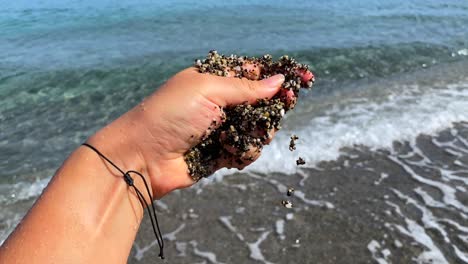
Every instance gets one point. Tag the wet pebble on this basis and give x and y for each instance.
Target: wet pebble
(287, 204)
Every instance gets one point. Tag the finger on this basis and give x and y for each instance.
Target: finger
(237, 161)
(236, 144)
(266, 136)
(270, 134)
(306, 76)
(240, 151)
(211, 117)
(289, 98)
(232, 91)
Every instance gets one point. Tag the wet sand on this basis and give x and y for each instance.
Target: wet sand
(402, 205)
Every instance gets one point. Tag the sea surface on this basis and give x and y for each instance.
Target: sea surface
(384, 132)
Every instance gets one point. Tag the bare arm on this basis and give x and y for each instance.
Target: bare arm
(87, 214)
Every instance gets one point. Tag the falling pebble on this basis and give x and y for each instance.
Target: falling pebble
(290, 191)
(287, 204)
(292, 143)
(300, 161)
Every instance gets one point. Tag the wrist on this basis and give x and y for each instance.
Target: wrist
(116, 142)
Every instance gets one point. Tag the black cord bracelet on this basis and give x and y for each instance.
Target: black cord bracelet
(151, 212)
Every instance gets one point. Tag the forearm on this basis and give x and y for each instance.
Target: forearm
(86, 211)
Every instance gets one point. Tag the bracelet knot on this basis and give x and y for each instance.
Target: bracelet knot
(128, 179)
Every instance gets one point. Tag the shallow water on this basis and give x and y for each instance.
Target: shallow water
(383, 132)
(404, 204)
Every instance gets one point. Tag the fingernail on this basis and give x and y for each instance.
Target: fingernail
(274, 81)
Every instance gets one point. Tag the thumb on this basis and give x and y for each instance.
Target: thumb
(233, 91)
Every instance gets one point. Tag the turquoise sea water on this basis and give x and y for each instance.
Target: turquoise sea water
(387, 71)
(65, 64)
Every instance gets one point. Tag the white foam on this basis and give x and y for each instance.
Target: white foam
(160, 204)
(460, 163)
(386, 253)
(374, 247)
(172, 235)
(383, 176)
(181, 247)
(417, 232)
(279, 227)
(451, 146)
(449, 197)
(255, 252)
(460, 254)
(428, 219)
(302, 197)
(428, 200)
(9, 224)
(462, 140)
(226, 221)
(282, 189)
(12, 193)
(464, 238)
(140, 251)
(463, 52)
(254, 247)
(304, 175)
(210, 256)
(448, 193)
(376, 123)
(452, 175)
(240, 210)
(461, 228)
(397, 243)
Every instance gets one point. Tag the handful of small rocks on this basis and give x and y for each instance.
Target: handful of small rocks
(245, 127)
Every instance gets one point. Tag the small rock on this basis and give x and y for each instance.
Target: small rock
(292, 143)
(300, 161)
(287, 204)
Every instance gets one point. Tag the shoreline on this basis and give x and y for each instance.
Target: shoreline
(360, 206)
(376, 205)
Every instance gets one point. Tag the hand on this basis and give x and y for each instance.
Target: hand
(161, 129)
